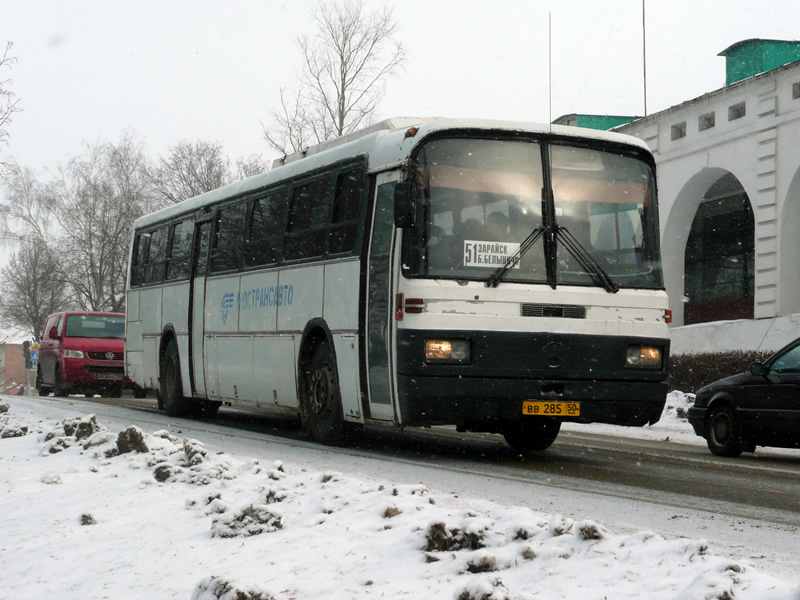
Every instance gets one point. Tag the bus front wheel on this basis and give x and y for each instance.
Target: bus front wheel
(323, 401)
(533, 434)
(175, 404)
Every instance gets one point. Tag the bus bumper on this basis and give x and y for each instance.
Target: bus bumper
(507, 368)
(440, 400)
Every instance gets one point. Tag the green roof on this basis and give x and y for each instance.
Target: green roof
(750, 57)
(602, 122)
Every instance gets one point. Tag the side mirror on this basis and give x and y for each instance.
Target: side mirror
(405, 208)
(758, 369)
(53, 334)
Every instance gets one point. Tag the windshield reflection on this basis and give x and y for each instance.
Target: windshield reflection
(480, 199)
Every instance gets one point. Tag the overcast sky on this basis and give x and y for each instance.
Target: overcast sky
(212, 69)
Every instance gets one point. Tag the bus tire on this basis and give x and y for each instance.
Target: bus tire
(323, 401)
(175, 403)
(532, 435)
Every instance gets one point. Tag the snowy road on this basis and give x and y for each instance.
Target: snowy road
(746, 508)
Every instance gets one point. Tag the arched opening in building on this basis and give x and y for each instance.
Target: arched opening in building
(719, 261)
(790, 250)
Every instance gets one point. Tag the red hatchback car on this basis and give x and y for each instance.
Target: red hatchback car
(82, 353)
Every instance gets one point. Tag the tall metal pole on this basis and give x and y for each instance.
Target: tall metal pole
(644, 58)
(550, 67)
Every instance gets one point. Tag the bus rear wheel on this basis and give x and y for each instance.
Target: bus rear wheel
(323, 401)
(175, 403)
(532, 435)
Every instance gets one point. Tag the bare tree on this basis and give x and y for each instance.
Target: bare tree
(101, 195)
(190, 169)
(294, 128)
(26, 210)
(247, 166)
(8, 104)
(33, 287)
(345, 64)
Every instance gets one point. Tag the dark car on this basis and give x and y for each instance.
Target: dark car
(758, 408)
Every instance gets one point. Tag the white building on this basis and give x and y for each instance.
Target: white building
(729, 190)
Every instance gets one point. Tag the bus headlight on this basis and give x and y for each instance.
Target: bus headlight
(452, 351)
(645, 357)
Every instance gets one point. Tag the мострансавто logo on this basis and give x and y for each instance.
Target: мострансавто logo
(274, 295)
(227, 304)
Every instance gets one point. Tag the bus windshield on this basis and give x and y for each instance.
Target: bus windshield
(479, 198)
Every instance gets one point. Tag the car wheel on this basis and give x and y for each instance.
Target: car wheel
(722, 433)
(139, 392)
(175, 403)
(41, 389)
(322, 401)
(59, 389)
(112, 392)
(532, 435)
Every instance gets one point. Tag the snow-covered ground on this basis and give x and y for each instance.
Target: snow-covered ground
(672, 425)
(89, 512)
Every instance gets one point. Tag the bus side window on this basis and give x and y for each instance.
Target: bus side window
(180, 250)
(265, 239)
(308, 219)
(154, 269)
(226, 250)
(141, 246)
(347, 201)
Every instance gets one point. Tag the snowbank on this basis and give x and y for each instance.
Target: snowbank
(93, 513)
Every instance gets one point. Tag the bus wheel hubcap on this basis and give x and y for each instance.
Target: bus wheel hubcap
(320, 389)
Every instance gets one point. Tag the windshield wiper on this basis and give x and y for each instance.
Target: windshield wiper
(586, 260)
(496, 277)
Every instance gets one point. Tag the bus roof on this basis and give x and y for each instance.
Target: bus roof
(385, 145)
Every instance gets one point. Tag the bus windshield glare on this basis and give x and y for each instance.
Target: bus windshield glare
(479, 198)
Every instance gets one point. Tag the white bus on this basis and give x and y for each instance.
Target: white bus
(499, 277)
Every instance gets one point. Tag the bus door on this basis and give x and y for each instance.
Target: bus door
(202, 243)
(381, 285)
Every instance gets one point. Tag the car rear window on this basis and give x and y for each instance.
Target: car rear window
(95, 326)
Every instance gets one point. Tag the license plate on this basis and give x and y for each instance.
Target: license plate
(109, 376)
(551, 409)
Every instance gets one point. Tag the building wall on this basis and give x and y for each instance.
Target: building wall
(12, 368)
(762, 150)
